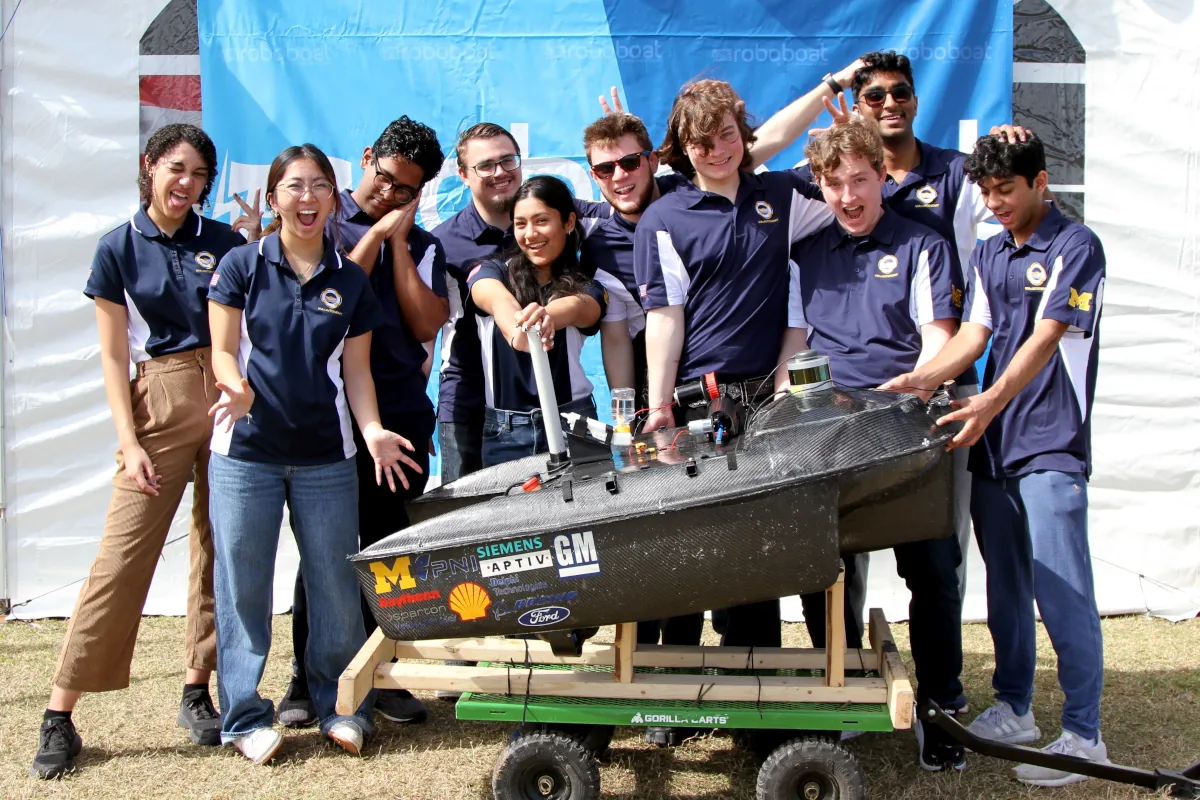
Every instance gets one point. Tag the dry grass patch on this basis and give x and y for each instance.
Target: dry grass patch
(133, 749)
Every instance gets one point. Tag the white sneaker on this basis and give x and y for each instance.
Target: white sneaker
(1068, 744)
(259, 746)
(348, 736)
(1000, 724)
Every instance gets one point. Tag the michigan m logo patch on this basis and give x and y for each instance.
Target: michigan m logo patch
(1080, 300)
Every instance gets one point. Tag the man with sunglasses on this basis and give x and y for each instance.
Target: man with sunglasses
(374, 227)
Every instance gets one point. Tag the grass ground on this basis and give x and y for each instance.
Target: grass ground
(133, 749)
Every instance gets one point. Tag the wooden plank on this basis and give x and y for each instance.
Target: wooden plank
(625, 646)
(900, 698)
(569, 683)
(835, 631)
(603, 654)
(357, 679)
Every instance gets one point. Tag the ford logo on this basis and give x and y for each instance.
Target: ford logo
(547, 615)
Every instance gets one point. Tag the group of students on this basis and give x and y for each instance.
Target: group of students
(290, 369)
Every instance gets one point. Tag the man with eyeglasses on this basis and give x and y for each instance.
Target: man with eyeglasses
(374, 227)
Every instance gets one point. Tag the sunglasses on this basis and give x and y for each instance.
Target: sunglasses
(629, 163)
(876, 95)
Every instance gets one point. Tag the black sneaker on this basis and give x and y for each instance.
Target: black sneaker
(198, 716)
(398, 705)
(938, 751)
(296, 707)
(58, 745)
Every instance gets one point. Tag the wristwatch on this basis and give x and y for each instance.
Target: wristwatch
(832, 83)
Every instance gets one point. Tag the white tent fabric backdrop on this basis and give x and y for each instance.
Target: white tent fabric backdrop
(70, 148)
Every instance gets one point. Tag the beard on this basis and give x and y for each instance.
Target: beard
(500, 205)
(641, 201)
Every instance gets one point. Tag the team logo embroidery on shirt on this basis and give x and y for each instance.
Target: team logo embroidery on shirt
(887, 267)
(205, 260)
(927, 194)
(764, 210)
(331, 300)
(956, 296)
(1036, 276)
(1080, 300)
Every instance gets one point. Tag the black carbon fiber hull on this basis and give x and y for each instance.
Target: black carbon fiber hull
(698, 527)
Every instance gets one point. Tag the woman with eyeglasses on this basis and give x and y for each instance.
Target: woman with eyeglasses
(149, 280)
(537, 283)
(291, 327)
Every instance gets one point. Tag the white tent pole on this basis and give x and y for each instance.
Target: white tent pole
(5, 601)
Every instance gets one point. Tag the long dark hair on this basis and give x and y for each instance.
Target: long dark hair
(284, 160)
(166, 139)
(566, 277)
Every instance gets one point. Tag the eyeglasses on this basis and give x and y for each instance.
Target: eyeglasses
(402, 194)
(486, 169)
(322, 190)
(629, 163)
(876, 95)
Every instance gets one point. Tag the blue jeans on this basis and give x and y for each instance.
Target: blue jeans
(459, 446)
(1033, 534)
(246, 502)
(509, 435)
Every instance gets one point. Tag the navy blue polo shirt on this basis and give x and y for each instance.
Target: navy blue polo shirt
(509, 384)
(468, 240)
(396, 354)
(1057, 274)
(865, 298)
(291, 352)
(727, 265)
(161, 280)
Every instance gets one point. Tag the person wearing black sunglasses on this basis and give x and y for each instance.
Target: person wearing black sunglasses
(374, 227)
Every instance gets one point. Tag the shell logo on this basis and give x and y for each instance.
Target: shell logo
(469, 601)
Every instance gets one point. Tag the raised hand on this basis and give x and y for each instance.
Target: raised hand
(250, 222)
(616, 108)
(387, 451)
(841, 113)
(1011, 133)
(140, 469)
(235, 403)
(845, 78)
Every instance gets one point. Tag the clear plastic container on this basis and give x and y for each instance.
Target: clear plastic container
(623, 409)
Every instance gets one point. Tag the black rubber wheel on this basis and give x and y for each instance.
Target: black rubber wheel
(762, 742)
(545, 766)
(811, 768)
(594, 738)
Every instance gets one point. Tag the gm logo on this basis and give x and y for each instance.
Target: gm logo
(398, 575)
(541, 617)
(576, 555)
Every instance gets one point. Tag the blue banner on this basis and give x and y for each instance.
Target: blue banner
(276, 73)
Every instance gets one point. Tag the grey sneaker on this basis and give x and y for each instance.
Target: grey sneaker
(1001, 724)
(296, 707)
(1069, 744)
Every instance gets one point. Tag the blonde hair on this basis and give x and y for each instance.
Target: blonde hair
(856, 137)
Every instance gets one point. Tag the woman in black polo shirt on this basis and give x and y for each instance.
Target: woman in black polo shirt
(291, 322)
(538, 283)
(149, 280)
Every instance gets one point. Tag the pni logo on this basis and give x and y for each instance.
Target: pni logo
(764, 210)
(927, 194)
(888, 264)
(1080, 300)
(576, 555)
(398, 575)
(331, 299)
(205, 260)
(1036, 276)
(541, 617)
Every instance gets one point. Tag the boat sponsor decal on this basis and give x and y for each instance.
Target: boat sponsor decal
(469, 601)
(576, 555)
(510, 548)
(397, 576)
(422, 614)
(540, 617)
(503, 590)
(426, 568)
(409, 599)
(678, 719)
(545, 600)
(523, 562)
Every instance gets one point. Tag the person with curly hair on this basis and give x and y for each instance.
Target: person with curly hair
(149, 280)
(375, 227)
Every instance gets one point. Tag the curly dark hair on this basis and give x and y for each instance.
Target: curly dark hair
(882, 61)
(994, 157)
(413, 141)
(166, 139)
(566, 276)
